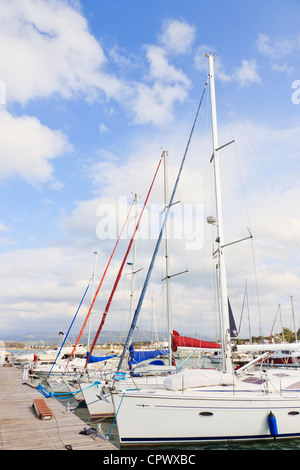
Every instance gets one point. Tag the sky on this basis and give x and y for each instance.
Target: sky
(91, 94)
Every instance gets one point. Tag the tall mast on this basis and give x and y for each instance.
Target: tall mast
(133, 262)
(224, 313)
(167, 257)
(92, 296)
(293, 313)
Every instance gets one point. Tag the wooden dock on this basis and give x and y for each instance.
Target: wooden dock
(22, 429)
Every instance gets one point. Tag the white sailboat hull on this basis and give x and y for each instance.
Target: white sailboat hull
(159, 419)
(233, 409)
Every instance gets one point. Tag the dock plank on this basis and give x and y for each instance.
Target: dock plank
(22, 429)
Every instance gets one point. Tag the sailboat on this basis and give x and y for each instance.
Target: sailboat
(205, 405)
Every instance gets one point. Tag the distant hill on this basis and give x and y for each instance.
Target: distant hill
(53, 339)
(105, 337)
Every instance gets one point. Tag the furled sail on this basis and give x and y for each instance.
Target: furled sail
(137, 356)
(92, 359)
(187, 342)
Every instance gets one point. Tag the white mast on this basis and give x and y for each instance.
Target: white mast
(92, 297)
(293, 313)
(224, 313)
(166, 201)
(133, 272)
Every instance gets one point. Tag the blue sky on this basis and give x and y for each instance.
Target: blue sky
(91, 94)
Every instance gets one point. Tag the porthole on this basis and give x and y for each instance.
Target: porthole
(293, 413)
(205, 414)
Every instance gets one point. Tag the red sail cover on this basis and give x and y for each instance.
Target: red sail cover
(185, 341)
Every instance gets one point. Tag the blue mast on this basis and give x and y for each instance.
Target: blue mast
(147, 279)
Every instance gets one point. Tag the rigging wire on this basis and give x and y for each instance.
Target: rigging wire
(247, 219)
(273, 192)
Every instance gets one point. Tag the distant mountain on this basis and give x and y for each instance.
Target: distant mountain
(105, 337)
(53, 339)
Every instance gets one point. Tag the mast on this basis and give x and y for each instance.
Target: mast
(167, 257)
(293, 313)
(224, 313)
(133, 262)
(92, 296)
(282, 330)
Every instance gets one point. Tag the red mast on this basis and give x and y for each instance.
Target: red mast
(121, 269)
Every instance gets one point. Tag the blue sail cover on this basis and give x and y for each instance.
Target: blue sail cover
(135, 357)
(99, 358)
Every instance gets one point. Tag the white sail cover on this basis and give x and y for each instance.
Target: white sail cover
(191, 378)
(268, 347)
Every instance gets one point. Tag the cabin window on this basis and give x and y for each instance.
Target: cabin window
(205, 414)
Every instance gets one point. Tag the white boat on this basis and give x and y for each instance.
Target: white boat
(97, 394)
(282, 355)
(222, 408)
(29, 358)
(55, 360)
(198, 406)
(284, 359)
(75, 366)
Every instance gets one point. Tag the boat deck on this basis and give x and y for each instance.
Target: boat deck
(22, 429)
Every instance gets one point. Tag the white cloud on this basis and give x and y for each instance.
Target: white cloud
(247, 72)
(154, 102)
(46, 49)
(277, 50)
(160, 69)
(103, 129)
(177, 36)
(44, 296)
(27, 147)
